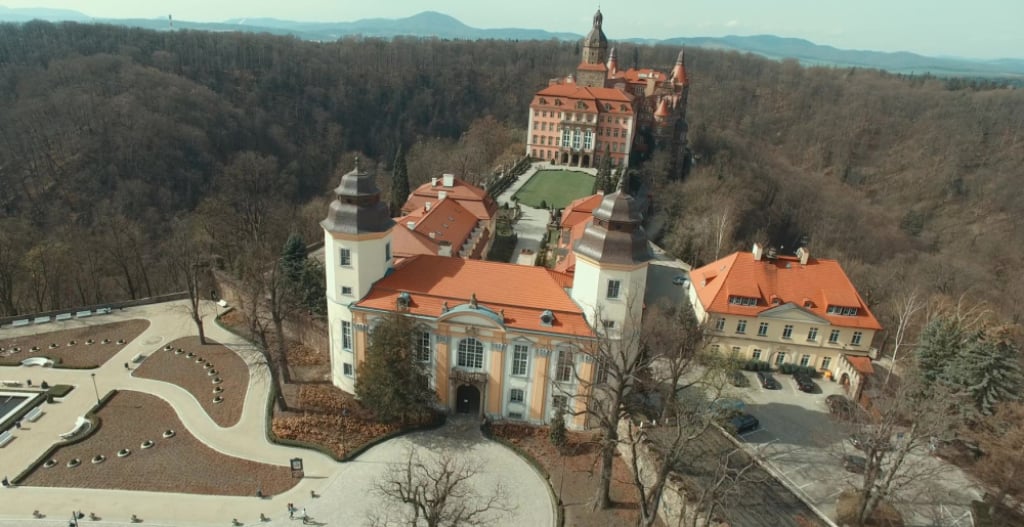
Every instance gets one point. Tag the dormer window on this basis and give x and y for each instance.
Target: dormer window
(745, 301)
(841, 310)
(403, 301)
(547, 318)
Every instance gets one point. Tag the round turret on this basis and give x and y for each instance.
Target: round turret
(357, 208)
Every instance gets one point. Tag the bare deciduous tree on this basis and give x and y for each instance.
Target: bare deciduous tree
(437, 492)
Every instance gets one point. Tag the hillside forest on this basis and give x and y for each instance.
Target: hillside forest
(113, 138)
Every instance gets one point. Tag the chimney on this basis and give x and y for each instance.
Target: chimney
(433, 181)
(441, 194)
(433, 235)
(444, 248)
(803, 254)
(448, 180)
(426, 206)
(758, 251)
(411, 225)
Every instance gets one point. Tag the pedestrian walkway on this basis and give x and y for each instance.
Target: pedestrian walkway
(334, 482)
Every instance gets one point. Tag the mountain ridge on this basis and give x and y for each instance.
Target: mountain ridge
(435, 24)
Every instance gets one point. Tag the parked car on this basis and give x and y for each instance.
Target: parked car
(805, 384)
(679, 280)
(840, 406)
(742, 423)
(855, 464)
(739, 379)
(768, 381)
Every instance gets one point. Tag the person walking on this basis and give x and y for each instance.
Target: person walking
(291, 511)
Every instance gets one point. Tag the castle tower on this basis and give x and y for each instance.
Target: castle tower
(357, 253)
(613, 63)
(592, 71)
(611, 264)
(679, 70)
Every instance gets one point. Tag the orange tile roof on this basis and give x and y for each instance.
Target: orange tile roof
(573, 91)
(861, 364)
(633, 75)
(580, 210)
(447, 220)
(739, 274)
(523, 292)
(473, 198)
(568, 262)
(406, 242)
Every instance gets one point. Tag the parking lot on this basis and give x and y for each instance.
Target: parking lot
(805, 446)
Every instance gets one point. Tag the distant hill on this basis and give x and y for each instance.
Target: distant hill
(434, 24)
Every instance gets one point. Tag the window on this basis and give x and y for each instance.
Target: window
(613, 288)
(471, 354)
(742, 301)
(565, 138)
(576, 138)
(515, 415)
(515, 395)
(805, 360)
(387, 252)
(756, 355)
(780, 358)
(717, 348)
(720, 324)
(855, 340)
(535, 123)
(826, 362)
(762, 329)
(346, 290)
(519, 359)
(535, 141)
(741, 327)
(812, 334)
(787, 331)
(840, 310)
(346, 368)
(346, 335)
(564, 370)
(421, 346)
(345, 258)
(608, 324)
(588, 140)
(558, 401)
(833, 337)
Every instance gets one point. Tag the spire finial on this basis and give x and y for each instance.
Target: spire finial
(622, 180)
(356, 160)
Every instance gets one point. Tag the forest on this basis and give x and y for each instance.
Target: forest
(112, 137)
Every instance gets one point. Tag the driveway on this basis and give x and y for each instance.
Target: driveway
(805, 446)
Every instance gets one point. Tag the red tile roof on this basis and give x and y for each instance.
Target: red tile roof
(860, 363)
(473, 198)
(580, 210)
(446, 220)
(568, 262)
(573, 91)
(821, 281)
(522, 292)
(406, 242)
(634, 75)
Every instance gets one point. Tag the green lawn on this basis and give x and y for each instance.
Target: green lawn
(555, 187)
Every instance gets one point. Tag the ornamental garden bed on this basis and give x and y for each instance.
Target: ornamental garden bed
(81, 347)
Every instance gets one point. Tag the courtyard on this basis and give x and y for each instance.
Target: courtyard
(158, 427)
(555, 188)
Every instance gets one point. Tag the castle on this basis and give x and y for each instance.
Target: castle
(602, 110)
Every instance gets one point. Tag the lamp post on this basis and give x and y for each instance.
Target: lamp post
(95, 389)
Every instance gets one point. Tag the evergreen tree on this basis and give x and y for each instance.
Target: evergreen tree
(391, 382)
(399, 183)
(557, 434)
(293, 258)
(942, 340)
(989, 370)
(604, 171)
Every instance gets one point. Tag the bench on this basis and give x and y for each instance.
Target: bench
(40, 320)
(6, 438)
(81, 424)
(37, 361)
(20, 323)
(138, 358)
(12, 384)
(83, 314)
(103, 311)
(63, 316)
(222, 303)
(34, 414)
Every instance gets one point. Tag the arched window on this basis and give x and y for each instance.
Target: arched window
(471, 354)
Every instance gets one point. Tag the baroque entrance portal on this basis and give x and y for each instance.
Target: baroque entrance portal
(467, 400)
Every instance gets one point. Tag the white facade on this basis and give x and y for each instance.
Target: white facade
(352, 264)
(612, 293)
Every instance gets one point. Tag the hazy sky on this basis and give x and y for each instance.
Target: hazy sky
(968, 28)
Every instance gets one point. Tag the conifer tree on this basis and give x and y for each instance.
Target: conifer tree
(293, 258)
(988, 371)
(391, 382)
(942, 340)
(604, 171)
(557, 433)
(399, 183)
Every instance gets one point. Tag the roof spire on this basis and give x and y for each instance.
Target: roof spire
(623, 180)
(356, 160)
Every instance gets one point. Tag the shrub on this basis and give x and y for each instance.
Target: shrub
(557, 434)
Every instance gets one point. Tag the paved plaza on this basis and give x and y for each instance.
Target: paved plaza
(342, 489)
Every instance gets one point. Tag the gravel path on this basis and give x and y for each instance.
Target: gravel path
(77, 355)
(178, 464)
(194, 376)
